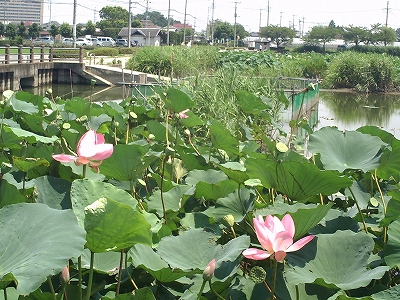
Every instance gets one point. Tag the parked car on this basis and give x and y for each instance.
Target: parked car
(107, 41)
(121, 42)
(67, 41)
(96, 42)
(43, 40)
(83, 42)
(134, 43)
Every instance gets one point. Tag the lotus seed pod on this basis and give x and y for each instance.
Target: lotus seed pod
(66, 126)
(228, 221)
(281, 147)
(50, 91)
(257, 274)
(116, 124)
(187, 131)
(151, 136)
(83, 118)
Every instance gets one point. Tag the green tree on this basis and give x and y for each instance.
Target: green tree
(321, 35)
(21, 29)
(223, 30)
(355, 34)
(278, 35)
(386, 35)
(34, 30)
(155, 17)
(113, 17)
(79, 30)
(2, 29)
(54, 30)
(397, 32)
(240, 31)
(11, 31)
(90, 28)
(65, 30)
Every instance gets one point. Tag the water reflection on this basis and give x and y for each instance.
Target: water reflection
(351, 110)
(96, 93)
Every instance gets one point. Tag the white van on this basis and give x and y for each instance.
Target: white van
(106, 41)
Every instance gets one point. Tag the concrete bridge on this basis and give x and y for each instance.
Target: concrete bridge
(35, 66)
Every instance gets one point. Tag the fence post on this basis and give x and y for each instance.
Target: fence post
(7, 55)
(32, 55)
(42, 54)
(20, 54)
(51, 54)
(81, 54)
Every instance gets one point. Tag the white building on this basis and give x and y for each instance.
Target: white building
(15, 11)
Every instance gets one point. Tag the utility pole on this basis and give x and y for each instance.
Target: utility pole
(50, 12)
(168, 23)
(129, 25)
(387, 13)
(147, 12)
(184, 24)
(212, 23)
(74, 26)
(234, 27)
(302, 30)
(293, 22)
(280, 20)
(268, 14)
(259, 24)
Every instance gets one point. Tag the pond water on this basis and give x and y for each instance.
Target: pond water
(347, 111)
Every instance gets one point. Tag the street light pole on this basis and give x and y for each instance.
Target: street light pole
(169, 16)
(184, 24)
(74, 26)
(129, 25)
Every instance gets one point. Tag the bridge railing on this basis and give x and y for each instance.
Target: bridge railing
(31, 54)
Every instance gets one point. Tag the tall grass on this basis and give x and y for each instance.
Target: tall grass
(366, 72)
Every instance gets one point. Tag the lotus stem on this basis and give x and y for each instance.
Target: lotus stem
(129, 275)
(5, 294)
(214, 292)
(90, 282)
(120, 272)
(274, 279)
(80, 277)
(162, 190)
(359, 210)
(51, 288)
(201, 289)
(383, 205)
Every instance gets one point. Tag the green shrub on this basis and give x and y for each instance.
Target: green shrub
(368, 72)
(125, 50)
(181, 61)
(105, 51)
(70, 53)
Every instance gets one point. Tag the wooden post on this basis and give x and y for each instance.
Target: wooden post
(20, 54)
(81, 54)
(7, 55)
(32, 55)
(42, 54)
(51, 54)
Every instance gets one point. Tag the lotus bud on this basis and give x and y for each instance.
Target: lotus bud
(208, 272)
(64, 275)
(228, 221)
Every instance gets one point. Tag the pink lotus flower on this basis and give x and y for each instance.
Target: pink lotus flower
(276, 237)
(209, 270)
(183, 114)
(91, 150)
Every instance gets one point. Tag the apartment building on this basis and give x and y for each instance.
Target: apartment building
(15, 11)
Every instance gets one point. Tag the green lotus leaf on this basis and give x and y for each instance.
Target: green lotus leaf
(392, 249)
(37, 242)
(105, 262)
(144, 293)
(221, 138)
(233, 204)
(127, 162)
(234, 170)
(9, 194)
(26, 164)
(113, 226)
(172, 199)
(249, 103)
(389, 294)
(177, 100)
(53, 191)
(299, 181)
(144, 257)
(390, 162)
(350, 150)
(195, 248)
(209, 176)
(85, 191)
(338, 260)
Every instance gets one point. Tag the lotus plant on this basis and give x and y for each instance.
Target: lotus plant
(91, 149)
(276, 237)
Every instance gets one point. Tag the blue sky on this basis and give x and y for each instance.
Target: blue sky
(281, 12)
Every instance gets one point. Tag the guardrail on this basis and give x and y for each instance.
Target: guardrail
(31, 54)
